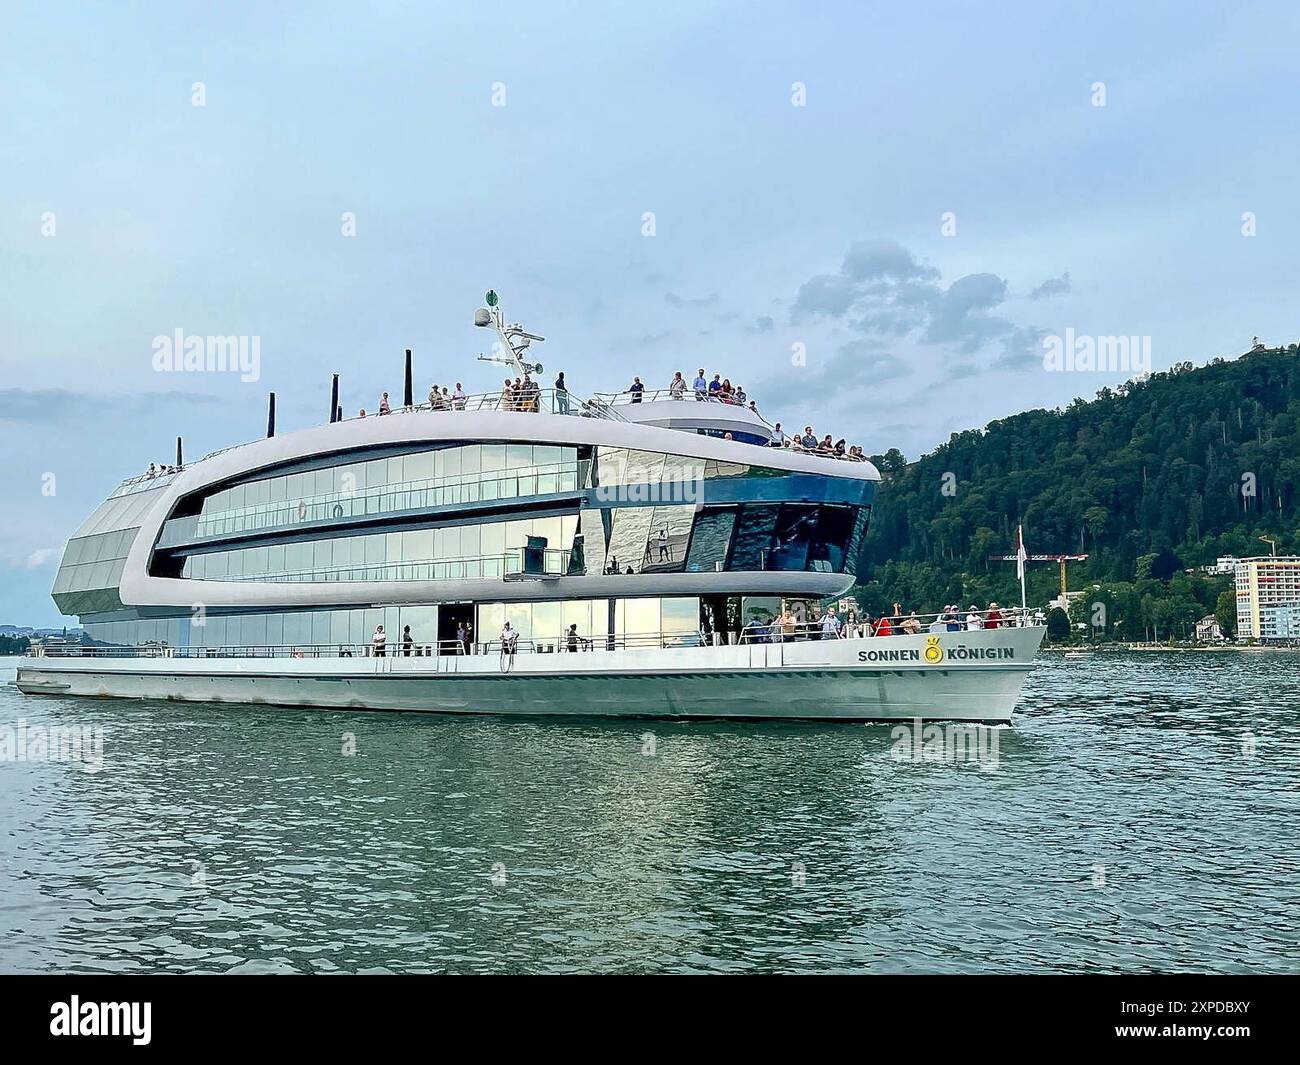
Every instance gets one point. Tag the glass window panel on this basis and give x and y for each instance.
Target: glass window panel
(494, 456)
(470, 541)
(471, 458)
(547, 617)
(275, 630)
(518, 456)
(680, 615)
(641, 616)
(754, 539)
(710, 540)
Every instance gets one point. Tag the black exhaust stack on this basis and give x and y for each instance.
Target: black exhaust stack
(334, 401)
(270, 417)
(180, 458)
(409, 397)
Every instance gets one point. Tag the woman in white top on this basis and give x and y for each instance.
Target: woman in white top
(378, 641)
(973, 619)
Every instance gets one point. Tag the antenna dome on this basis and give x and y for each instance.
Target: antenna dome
(482, 317)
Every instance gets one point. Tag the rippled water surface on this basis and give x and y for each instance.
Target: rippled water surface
(1142, 815)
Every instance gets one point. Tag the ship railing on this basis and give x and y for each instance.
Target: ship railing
(653, 395)
(624, 398)
(852, 625)
(572, 642)
(533, 401)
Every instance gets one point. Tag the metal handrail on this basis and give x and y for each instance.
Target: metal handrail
(544, 400)
(654, 395)
(511, 561)
(295, 508)
(560, 643)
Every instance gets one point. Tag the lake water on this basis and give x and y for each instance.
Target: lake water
(1141, 814)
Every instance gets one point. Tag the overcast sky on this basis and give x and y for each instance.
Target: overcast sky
(781, 216)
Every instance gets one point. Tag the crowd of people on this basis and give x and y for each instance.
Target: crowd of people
(155, 470)
(829, 625)
(808, 441)
(523, 394)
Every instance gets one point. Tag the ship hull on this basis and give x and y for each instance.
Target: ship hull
(974, 676)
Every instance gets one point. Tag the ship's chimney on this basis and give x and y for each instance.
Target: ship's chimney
(180, 459)
(334, 400)
(270, 417)
(338, 411)
(409, 398)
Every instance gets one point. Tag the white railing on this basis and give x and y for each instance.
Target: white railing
(395, 647)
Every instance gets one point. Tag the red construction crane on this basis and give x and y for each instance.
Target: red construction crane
(1061, 559)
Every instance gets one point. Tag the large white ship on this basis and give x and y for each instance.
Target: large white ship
(638, 545)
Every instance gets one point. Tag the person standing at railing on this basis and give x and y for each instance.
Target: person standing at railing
(407, 641)
(458, 397)
(830, 625)
(507, 395)
(993, 619)
(701, 386)
(378, 642)
(715, 386)
(573, 639)
(532, 395)
(808, 440)
(384, 407)
(677, 386)
(561, 395)
(740, 397)
(973, 618)
(509, 639)
(779, 438)
(912, 625)
(636, 388)
(462, 639)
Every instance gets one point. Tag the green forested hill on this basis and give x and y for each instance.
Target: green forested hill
(1148, 479)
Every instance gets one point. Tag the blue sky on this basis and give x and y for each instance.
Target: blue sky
(775, 224)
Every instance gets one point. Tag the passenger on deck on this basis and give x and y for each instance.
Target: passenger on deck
(993, 619)
(912, 625)
(973, 619)
(636, 388)
(715, 386)
(677, 386)
(701, 386)
(458, 397)
(384, 408)
(378, 642)
(779, 438)
(883, 627)
(561, 395)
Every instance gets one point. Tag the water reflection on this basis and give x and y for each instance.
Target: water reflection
(1125, 827)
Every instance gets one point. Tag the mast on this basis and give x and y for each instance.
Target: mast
(515, 340)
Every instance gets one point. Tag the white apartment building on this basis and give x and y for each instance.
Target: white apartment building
(1267, 587)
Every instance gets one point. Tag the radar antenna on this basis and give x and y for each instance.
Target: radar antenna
(514, 343)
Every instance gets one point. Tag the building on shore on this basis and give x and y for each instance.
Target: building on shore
(1268, 598)
(1208, 630)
